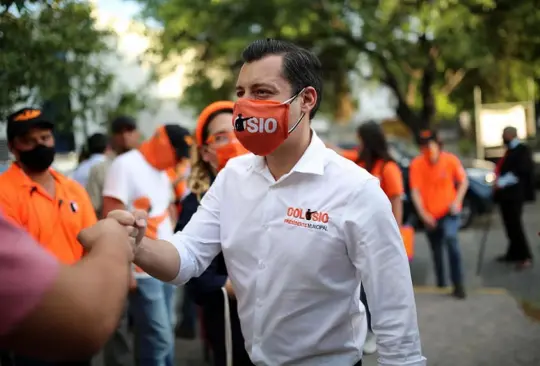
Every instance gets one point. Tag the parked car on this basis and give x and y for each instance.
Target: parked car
(478, 200)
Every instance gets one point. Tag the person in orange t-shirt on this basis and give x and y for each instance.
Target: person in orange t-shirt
(438, 185)
(372, 154)
(52, 208)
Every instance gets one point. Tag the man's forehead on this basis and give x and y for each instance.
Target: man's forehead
(267, 70)
(37, 131)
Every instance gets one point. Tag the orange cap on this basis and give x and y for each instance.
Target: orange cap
(206, 113)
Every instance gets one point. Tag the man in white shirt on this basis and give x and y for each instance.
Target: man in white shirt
(297, 279)
(98, 148)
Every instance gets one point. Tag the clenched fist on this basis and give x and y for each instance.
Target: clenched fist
(133, 222)
(106, 232)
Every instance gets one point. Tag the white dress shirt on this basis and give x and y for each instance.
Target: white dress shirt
(297, 281)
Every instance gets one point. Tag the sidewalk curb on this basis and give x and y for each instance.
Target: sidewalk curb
(448, 290)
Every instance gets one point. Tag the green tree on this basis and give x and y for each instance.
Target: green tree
(423, 50)
(128, 103)
(48, 55)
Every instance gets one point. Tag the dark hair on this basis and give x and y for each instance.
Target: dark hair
(83, 154)
(300, 66)
(97, 144)
(374, 144)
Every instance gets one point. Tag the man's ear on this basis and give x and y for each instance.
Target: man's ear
(309, 99)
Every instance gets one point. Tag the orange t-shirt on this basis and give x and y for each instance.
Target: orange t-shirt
(54, 222)
(390, 176)
(388, 173)
(437, 182)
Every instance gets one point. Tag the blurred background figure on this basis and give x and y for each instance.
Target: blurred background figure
(97, 148)
(514, 186)
(124, 137)
(438, 185)
(52, 208)
(137, 179)
(216, 144)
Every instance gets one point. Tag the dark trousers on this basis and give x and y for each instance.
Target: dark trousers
(117, 351)
(359, 363)
(518, 247)
(214, 326)
(364, 301)
(445, 236)
(187, 313)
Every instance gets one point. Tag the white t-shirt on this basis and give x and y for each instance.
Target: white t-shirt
(138, 185)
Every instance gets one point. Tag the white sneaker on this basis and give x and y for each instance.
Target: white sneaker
(370, 345)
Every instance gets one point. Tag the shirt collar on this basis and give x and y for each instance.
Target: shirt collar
(512, 144)
(16, 174)
(98, 157)
(312, 161)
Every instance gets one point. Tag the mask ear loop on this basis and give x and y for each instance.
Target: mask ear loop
(296, 124)
(292, 99)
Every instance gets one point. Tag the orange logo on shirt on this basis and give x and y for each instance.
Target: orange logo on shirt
(309, 218)
(27, 115)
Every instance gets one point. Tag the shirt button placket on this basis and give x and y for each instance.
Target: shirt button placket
(262, 279)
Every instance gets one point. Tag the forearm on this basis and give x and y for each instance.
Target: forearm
(397, 209)
(107, 273)
(417, 202)
(80, 311)
(462, 191)
(158, 258)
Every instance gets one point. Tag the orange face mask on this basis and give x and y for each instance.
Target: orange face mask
(228, 151)
(159, 151)
(226, 147)
(262, 125)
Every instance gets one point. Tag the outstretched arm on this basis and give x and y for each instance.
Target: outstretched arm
(190, 251)
(57, 312)
(376, 249)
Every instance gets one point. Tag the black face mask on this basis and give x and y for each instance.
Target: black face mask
(506, 142)
(38, 159)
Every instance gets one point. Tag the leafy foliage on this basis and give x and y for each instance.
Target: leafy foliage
(48, 56)
(430, 53)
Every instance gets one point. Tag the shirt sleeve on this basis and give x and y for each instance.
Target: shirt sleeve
(459, 172)
(414, 174)
(7, 207)
(200, 240)
(94, 187)
(117, 182)
(27, 272)
(376, 249)
(392, 180)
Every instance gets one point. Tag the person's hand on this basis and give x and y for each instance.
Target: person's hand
(455, 208)
(133, 222)
(429, 222)
(105, 232)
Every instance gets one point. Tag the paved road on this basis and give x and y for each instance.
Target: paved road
(488, 328)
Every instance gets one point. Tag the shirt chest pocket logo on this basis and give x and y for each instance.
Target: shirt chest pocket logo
(307, 218)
